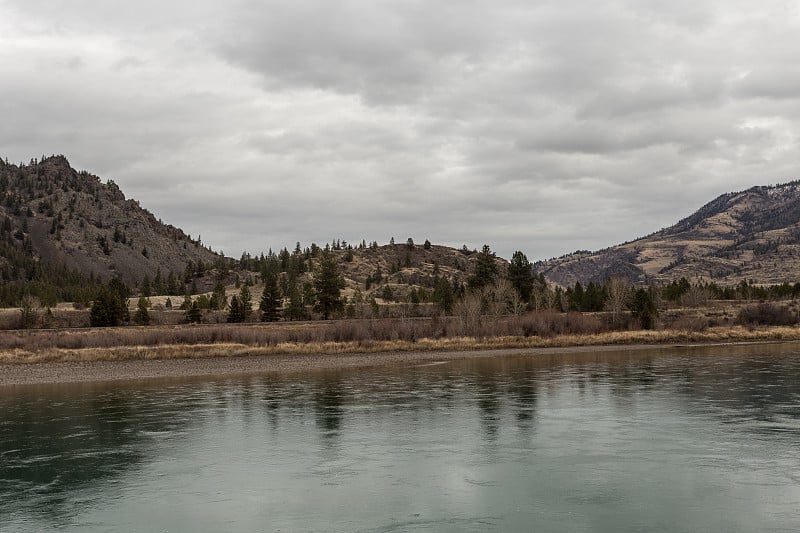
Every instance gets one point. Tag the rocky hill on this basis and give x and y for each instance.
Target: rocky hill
(56, 219)
(748, 235)
(388, 273)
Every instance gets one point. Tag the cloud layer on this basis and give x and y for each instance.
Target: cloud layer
(540, 126)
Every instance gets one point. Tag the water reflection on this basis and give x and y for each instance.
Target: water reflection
(483, 443)
(54, 445)
(488, 403)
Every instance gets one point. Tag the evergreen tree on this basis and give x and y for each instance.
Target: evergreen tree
(443, 295)
(577, 297)
(146, 289)
(193, 313)
(328, 283)
(142, 316)
(644, 308)
(485, 269)
(296, 309)
(235, 310)
(270, 305)
(110, 306)
(158, 283)
(520, 275)
(245, 302)
(172, 284)
(594, 297)
(218, 297)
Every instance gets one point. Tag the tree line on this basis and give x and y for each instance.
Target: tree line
(307, 283)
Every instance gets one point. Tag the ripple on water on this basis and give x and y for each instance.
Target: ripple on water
(674, 443)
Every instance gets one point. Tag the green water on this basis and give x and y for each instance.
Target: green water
(678, 440)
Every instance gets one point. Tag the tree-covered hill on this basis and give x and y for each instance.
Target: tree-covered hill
(406, 271)
(62, 231)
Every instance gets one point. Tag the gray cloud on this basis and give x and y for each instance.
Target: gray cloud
(545, 126)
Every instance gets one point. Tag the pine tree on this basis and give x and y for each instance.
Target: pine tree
(270, 305)
(485, 269)
(328, 283)
(110, 306)
(146, 289)
(142, 316)
(443, 295)
(193, 313)
(520, 275)
(218, 298)
(245, 302)
(644, 308)
(235, 310)
(577, 297)
(296, 309)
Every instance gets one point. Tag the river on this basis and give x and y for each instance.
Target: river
(678, 439)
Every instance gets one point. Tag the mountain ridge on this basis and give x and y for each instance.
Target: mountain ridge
(58, 222)
(752, 234)
(54, 216)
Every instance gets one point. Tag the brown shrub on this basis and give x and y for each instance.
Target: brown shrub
(549, 323)
(691, 323)
(766, 314)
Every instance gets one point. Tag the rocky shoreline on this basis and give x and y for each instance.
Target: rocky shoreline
(58, 372)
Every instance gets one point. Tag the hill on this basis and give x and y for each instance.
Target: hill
(748, 235)
(60, 227)
(388, 273)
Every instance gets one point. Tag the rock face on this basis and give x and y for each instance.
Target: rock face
(748, 235)
(52, 214)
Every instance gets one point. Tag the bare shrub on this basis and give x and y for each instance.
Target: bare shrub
(469, 310)
(695, 296)
(689, 323)
(9, 319)
(766, 314)
(549, 323)
(348, 331)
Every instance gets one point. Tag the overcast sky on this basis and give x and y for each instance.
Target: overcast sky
(533, 125)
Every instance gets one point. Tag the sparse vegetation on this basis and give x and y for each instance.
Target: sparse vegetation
(337, 338)
(397, 296)
(766, 314)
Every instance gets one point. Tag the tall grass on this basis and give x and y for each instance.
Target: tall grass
(536, 329)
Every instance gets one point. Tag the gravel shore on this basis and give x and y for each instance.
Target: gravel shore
(154, 369)
(93, 371)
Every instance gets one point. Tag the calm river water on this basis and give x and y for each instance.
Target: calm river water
(671, 440)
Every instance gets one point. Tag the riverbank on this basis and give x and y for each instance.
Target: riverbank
(60, 365)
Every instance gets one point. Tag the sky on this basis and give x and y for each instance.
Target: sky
(540, 126)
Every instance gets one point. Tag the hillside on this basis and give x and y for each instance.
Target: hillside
(385, 272)
(748, 235)
(57, 222)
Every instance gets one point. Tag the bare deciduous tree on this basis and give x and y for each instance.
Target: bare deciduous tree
(497, 297)
(469, 310)
(619, 293)
(544, 298)
(695, 296)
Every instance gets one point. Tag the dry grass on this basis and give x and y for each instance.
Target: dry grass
(226, 348)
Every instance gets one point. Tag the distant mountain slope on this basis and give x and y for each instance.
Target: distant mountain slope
(748, 235)
(54, 217)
